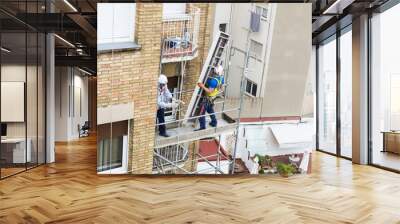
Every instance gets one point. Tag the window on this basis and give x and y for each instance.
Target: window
(385, 88)
(394, 101)
(262, 11)
(112, 148)
(222, 27)
(327, 96)
(346, 94)
(173, 10)
(115, 22)
(255, 49)
(22, 88)
(251, 87)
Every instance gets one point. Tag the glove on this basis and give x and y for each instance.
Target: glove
(174, 105)
(178, 101)
(168, 105)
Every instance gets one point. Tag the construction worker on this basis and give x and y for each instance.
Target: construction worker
(211, 90)
(164, 101)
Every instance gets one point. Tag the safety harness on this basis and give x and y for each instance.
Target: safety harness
(214, 94)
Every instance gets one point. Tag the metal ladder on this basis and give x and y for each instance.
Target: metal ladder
(213, 60)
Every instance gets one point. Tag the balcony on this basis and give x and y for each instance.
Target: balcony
(180, 36)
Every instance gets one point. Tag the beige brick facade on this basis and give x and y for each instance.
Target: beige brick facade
(131, 76)
(191, 163)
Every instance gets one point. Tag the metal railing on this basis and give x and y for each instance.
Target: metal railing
(180, 34)
(166, 156)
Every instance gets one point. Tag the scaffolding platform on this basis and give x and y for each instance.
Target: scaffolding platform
(186, 133)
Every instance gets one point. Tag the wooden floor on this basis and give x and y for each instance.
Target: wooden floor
(386, 159)
(69, 191)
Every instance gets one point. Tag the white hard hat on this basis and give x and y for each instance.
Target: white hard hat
(162, 79)
(219, 70)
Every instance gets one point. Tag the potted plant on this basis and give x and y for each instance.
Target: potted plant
(260, 163)
(285, 170)
(268, 162)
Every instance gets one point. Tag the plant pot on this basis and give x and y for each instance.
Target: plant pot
(286, 175)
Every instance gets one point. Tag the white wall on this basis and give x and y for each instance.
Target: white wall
(240, 38)
(288, 64)
(16, 73)
(170, 10)
(50, 95)
(62, 81)
(282, 69)
(81, 84)
(309, 93)
(70, 84)
(222, 14)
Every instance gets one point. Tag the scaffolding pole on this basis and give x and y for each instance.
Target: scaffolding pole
(241, 100)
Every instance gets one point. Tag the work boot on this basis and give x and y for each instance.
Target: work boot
(164, 135)
(214, 125)
(199, 129)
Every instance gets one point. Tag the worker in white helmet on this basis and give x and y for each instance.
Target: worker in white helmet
(164, 101)
(211, 91)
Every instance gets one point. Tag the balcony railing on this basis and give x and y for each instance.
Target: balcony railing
(180, 36)
(165, 157)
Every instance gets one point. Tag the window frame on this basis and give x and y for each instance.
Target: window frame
(252, 85)
(114, 42)
(262, 11)
(252, 47)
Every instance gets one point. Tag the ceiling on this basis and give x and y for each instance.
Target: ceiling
(332, 15)
(73, 21)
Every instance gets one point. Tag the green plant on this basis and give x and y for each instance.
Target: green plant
(285, 170)
(268, 161)
(261, 159)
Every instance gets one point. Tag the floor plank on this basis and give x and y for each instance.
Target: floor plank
(69, 191)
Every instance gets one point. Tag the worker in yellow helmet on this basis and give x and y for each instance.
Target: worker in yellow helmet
(211, 90)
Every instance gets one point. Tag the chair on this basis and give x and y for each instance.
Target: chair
(84, 130)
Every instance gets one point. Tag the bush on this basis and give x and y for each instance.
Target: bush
(261, 159)
(285, 170)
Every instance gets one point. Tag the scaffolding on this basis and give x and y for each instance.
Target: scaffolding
(172, 153)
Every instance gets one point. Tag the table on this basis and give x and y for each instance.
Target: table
(13, 150)
(391, 141)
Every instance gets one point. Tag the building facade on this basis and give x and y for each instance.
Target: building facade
(130, 59)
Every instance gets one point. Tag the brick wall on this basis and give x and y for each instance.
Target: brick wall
(131, 76)
(191, 163)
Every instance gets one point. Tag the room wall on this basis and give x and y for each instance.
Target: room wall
(69, 81)
(33, 126)
(16, 73)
